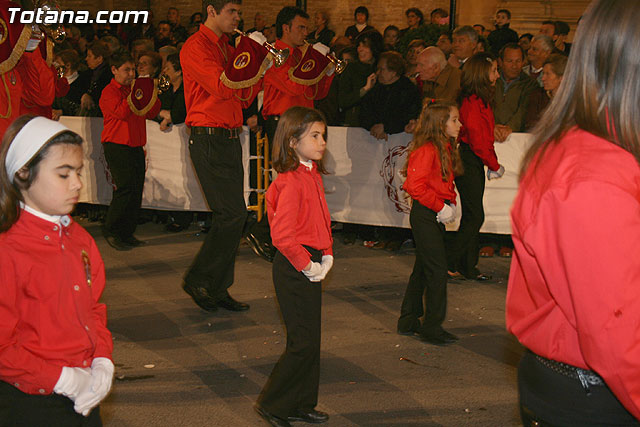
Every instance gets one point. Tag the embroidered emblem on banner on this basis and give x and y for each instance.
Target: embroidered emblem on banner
(308, 66)
(4, 31)
(139, 94)
(242, 61)
(393, 181)
(87, 266)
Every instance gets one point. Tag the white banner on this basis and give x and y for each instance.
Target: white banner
(363, 185)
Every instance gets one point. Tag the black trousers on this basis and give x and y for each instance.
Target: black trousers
(218, 164)
(127, 167)
(552, 399)
(293, 383)
(464, 251)
(18, 409)
(429, 276)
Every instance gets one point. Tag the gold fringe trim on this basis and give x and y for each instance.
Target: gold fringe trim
(18, 50)
(152, 102)
(6, 88)
(49, 52)
(249, 82)
(306, 82)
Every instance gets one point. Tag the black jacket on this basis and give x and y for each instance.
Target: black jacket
(392, 105)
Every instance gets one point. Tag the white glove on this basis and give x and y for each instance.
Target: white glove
(326, 264)
(331, 70)
(447, 214)
(258, 37)
(322, 48)
(101, 380)
(495, 174)
(73, 382)
(314, 272)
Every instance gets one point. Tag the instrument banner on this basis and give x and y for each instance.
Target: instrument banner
(143, 96)
(13, 38)
(312, 67)
(249, 62)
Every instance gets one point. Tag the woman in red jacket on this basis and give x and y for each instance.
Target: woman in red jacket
(573, 298)
(433, 162)
(55, 348)
(301, 231)
(479, 76)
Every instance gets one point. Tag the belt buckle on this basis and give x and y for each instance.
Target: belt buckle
(233, 133)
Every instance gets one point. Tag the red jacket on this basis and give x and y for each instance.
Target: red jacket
(477, 130)
(30, 81)
(121, 125)
(574, 285)
(50, 316)
(61, 88)
(424, 178)
(298, 215)
(209, 102)
(280, 93)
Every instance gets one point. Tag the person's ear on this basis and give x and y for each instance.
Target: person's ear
(211, 11)
(293, 142)
(23, 174)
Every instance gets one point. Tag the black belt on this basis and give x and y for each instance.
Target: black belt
(228, 133)
(586, 378)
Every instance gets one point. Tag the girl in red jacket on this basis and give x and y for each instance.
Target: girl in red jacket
(433, 162)
(55, 349)
(301, 231)
(479, 76)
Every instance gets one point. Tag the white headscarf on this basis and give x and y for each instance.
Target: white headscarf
(31, 138)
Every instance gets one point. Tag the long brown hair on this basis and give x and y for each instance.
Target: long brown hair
(293, 125)
(431, 129)
(475, 78)
(600, 88)
(11, 192)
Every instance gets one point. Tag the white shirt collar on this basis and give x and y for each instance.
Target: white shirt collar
(63, 220)
(73, 77)
(308, 164)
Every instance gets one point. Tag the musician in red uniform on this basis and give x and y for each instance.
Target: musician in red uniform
(214, 113)
(282, 93)
(23, 72)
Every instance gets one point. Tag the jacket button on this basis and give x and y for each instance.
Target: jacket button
(46, 237)
(55, 228)
(42, 391)
(76, 287)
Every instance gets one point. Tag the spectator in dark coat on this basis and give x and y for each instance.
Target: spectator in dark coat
(97, 60)
(322, 33)
(361, 15)
(69, 105)
(502, 34)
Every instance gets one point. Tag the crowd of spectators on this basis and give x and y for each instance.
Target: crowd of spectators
(388, 73)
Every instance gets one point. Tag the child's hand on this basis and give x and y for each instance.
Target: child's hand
(447, 214)
(101, 380)
(313, 272)
(73, 382)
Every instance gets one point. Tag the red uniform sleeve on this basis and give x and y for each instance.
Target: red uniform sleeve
(283, 215)
(595, 229)
(479, 131)
(37, 79)
(207, 69)
(153, 113)
(104, 346)
(419, 173)
(114, 103)
(16, 363)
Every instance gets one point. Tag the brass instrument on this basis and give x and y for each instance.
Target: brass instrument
(54, 31)
(60, 71)
(164, 83)
(263, 174)
(340, 65)
(279, 56)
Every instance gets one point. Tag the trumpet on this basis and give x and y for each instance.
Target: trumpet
(55, 31)
(279, 56)
(340, 65)
(164, 83)
(60, 71)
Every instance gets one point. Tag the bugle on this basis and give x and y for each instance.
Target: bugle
(164, 83)
(279, 56)
(340, 64)
(54, 31)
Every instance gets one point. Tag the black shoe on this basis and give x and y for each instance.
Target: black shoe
(441, 338)
(117, 243)
(264, 250)
(201, 297)
(450, 336)
(231, 304)
(312, 416)
(409, 331)
(482, 277)
(271, 419)
(133, 242)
